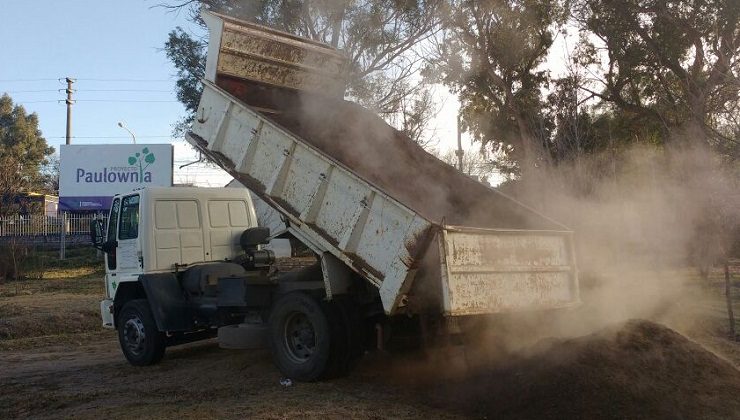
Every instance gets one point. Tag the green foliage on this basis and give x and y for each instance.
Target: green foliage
(674, 63)
(50, 171)
(644, 71)
(188, 56)
(376, 35)
(490, 58)
(582, 130)
(21, 138)
(23, 152)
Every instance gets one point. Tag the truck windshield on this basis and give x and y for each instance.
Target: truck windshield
(128, 227)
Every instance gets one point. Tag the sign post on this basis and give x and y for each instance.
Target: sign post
(63, 238)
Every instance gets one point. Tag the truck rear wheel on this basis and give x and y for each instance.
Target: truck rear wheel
(300, 337)
(141, 342)
(347, 339)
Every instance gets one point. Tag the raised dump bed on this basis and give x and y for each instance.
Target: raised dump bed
(346, 183)
(244, 51)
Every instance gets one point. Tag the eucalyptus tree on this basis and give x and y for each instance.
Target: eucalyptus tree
(377, 36)
(491, 55)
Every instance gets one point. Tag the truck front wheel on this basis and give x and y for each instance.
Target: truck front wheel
(141, 342)
(300, 337)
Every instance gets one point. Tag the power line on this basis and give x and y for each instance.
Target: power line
(125, 90)
(61, 79)
(27, 80)
(35, 102)
(120, 100)
(33, 91)
(92, 90)
(107, 137)
(98, 100)
(128, 80)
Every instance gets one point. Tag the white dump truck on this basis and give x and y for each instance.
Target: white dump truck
(405, 245)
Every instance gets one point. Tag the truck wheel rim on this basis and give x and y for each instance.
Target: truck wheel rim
(300, 337)
(134, 335)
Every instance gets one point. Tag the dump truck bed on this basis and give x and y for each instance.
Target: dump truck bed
(349, 184)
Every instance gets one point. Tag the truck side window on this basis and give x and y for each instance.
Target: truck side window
(111, 232)
(128, 227)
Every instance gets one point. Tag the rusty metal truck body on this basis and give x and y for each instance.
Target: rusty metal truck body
(333, 209)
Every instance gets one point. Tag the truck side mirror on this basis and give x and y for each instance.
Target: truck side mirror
(96, 233)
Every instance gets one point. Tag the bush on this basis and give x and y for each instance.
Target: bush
(13, 255)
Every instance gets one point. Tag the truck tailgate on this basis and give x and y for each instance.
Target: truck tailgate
(493, 271)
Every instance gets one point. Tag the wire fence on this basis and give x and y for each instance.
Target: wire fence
(41, 225)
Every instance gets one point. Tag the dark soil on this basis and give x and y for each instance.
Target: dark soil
(383, 156)
(639, 370)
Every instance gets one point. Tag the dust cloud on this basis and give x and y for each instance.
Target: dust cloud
(644, 220)
(643, 217)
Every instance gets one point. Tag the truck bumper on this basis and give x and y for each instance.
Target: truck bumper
(106, 313)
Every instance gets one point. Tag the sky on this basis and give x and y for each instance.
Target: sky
(113, 49)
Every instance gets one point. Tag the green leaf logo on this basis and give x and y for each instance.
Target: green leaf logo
(142, 160)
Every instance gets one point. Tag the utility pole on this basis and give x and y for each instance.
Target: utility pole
(69, 109)
(63, 230)
(459, 152)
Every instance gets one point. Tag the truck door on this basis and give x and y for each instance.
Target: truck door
(110, 234)
(128, 251)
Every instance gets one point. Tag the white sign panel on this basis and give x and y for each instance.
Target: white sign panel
(90, 175)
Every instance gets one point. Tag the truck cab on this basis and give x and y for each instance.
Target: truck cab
(163, 239)
(155, 230)
(186, 264)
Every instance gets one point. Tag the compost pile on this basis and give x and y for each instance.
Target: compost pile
(385, 157)
(375, 151)
(637, 370)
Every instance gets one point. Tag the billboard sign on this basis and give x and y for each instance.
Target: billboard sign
(91, 174)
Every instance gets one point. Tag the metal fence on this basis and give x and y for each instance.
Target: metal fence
(40, 225)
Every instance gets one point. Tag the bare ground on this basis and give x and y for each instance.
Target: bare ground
(56, 361)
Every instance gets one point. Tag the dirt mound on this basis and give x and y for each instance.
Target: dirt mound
(637, 370)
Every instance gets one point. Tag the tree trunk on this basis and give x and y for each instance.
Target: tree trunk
(337, 26)
(728, 296)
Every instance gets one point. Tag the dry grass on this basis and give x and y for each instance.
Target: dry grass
(54, 309)
(53, 348)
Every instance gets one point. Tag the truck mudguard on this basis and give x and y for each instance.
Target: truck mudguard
(169, 307)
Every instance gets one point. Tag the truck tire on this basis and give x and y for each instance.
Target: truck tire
(141, 342)
(300, 337)
(348, 344)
